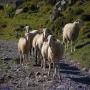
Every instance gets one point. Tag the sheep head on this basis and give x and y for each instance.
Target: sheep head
(51, 40)
(45, 33)
(27, 28)
(79, 22)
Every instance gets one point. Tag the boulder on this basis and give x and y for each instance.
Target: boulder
(18, 11)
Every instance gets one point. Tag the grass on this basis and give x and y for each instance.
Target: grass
(34, 19)
(82, 55)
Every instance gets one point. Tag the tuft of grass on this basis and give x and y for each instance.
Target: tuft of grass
(82, 55)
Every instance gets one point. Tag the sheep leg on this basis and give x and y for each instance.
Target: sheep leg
(39, 55)
(49, 69)
(71, 46)
(44, 64)
(23, 60)
(30, 52)
(36, 58)
(67, 45)
(55, 71)
(74, 45)
(53, 65)
(33, 51)
(59, 76)
(26, 59)
(74, 49)
(20, 59)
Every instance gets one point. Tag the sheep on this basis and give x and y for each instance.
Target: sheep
(52, 51)
(32, 34)
(38, 41)
(23, 48)
(71, 32)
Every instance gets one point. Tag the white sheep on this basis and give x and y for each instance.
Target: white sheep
(31, 36)
(23, 48)
(52, 51)
(38, 42)
(71, 32)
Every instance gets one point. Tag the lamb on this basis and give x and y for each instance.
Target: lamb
(71, 32)
(23, 48)
(32, 34)
(52, 51)
(38, 41)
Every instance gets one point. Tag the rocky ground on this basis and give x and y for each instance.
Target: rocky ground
(13, 76)
(8, 50)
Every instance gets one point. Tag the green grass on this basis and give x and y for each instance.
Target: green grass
(34, 19)
(82, 55)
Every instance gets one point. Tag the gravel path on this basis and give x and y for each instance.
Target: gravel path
(17, 77)
(8, 49)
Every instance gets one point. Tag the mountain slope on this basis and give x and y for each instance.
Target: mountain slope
(37, 12)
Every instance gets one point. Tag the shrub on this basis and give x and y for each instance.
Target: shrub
(56, 26)
(9, 10)
(85, 17)
(52, 2)
(1, 7)
(25, 9)
(34, 7)
(78, 11)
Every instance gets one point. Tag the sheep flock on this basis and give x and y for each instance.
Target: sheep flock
(45, 47)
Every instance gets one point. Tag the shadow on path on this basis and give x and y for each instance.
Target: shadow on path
(74, 73)
(84, 80)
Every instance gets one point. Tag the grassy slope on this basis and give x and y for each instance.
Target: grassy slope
(41, 17)
(82, 54)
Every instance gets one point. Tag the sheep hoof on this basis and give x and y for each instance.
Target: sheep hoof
(44, 69)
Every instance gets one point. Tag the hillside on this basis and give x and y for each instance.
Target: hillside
(35, 16)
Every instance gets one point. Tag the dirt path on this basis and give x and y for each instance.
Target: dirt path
(16, 77)
(8, 50)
